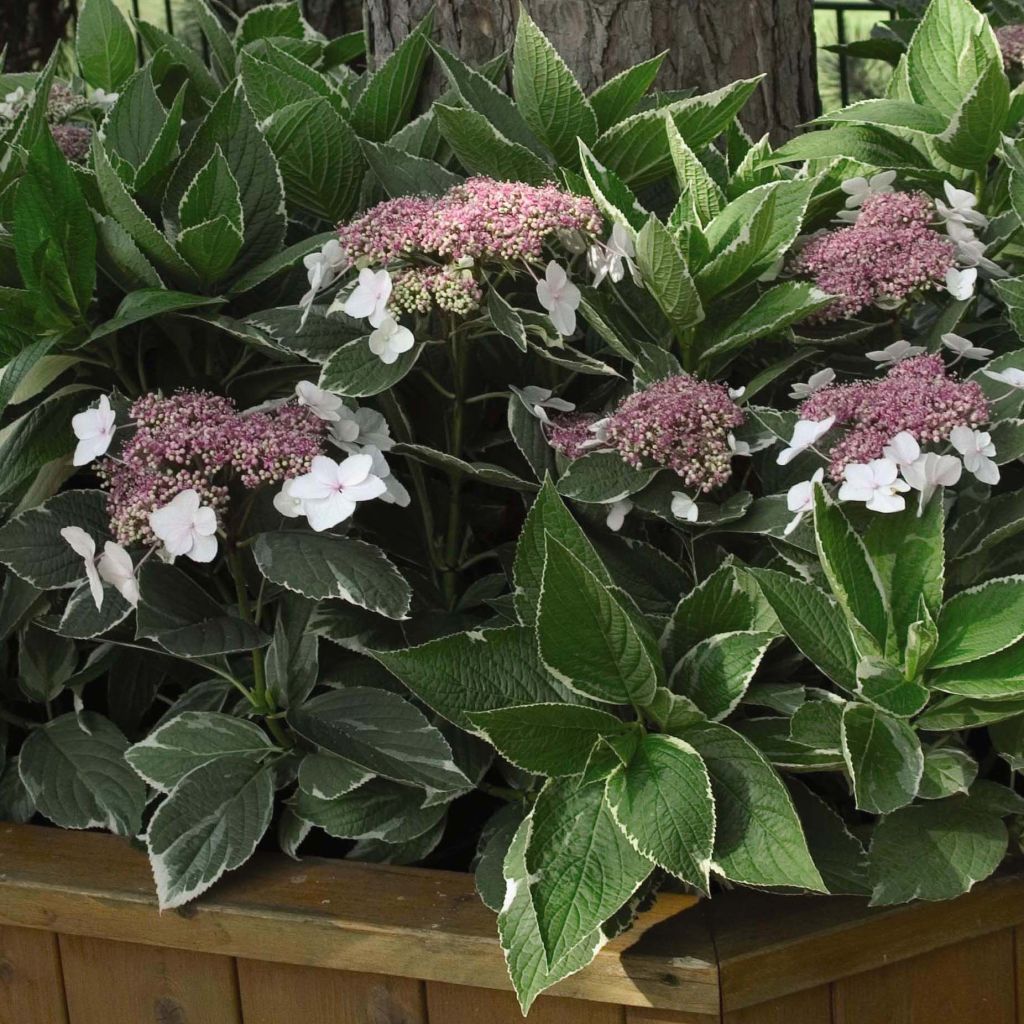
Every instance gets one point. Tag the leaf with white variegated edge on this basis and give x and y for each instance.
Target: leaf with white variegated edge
(480, 670)
(758, 837)
(837, 853)
(934, 851)
(602, 477)
(355, 371)
(192, 739)
(547, 739)
(587, 636)
(947, 771)
(980, 621)
(321, 566)
(81, 618)
(614, 198)
(715, 673)
(75, 772)
(327, 776)
(1000, 675)
(662, 801)
(31, 544)
(381, 732)
(883, 756)
(581, 867)
(667, 276)
(209, 824)
(548, 515)
(519, 931)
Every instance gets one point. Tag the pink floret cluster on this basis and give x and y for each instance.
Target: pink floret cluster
(887, 255)
(480, 220)
(681, 423)
(1011, 45)
(198, 440)
(73, 140)
(571, 435)
(916, 395)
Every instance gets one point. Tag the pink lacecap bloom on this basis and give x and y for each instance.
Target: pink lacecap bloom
(917, 395)
(73, 140)
(198, 440)
(888, 254)
(681, 423)
(1011, 45)
(480, 220)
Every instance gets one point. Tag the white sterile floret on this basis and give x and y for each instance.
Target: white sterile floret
(560, 297)
(538, 400)
(876, 484)
(82, 544)
(390, 339)
(814, 383)
(976, 449)
(894, 353)
(94, 429)
(320, 403)
(369, 298)
(330, 491)
(806, 434)
(684, 507)
(800, 500)
(186, 527)
(617, 512)
(964, 348)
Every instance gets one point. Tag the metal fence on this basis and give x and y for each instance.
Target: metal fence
(841, 8)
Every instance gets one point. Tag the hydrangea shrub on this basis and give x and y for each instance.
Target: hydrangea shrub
(567, 488)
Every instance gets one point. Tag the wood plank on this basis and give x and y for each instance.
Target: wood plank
(31, 986)
(459, 1004)
(123, 981)
(1018, 957)
(274, 993)
(970, 982)
(812, 1006)
(409, 922)
(649, 1015)
(770, 946)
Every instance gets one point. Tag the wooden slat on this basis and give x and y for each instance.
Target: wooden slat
(408, 922)
(122, 981)
(275, 993)
(649, 1015)
(31, 986)
(970, 983)
(770, 946)
(1018, 958)
(812, 1006)
(457, 1004)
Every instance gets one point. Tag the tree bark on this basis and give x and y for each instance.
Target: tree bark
(709, 42)
(31, 29)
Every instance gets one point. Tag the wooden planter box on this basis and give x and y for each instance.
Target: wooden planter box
(335, 942)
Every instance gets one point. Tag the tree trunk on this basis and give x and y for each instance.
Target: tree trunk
(31, 29)
(709, 42)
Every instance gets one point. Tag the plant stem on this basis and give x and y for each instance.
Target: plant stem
(453, 538)
(12, 719)
(399, 424)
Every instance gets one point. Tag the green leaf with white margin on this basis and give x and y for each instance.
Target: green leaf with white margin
(949, 50)
(185, 620)
(883, 756)
(947, 771)
(980, 621)
(614, 198)
(548, 96)
(587, 637)
(319, 566)
(75, 772)
(213, 192)
(866, 143)
(602, 477)
(269, 21)
(142, 231)
(1000, 675)
(482, 149)
(282, 261)
(211, 823)
(81, 618)
(386, 102)
(31, 545)
(692, 176)
(666, 275)
(883, 684)
(383, 733)
(775, 309)
(193, 739)
(104, 45)
(478, 92)
(848, 568)
(813, 621)
(662, 801)
(838, 854)
(231, 126)
(547, 739)
(485, 472)
(758, 836)
(581, 867)
(890, 113)
(354, 371)
(617, 98)
(146, 303)
(547, 515)
(715, 673)
(222, 50)
(480, 670)
(975, 128)
(906, 549)
(210, 248)
(727, 601)
(934, 851)
(519, 931)
(328, 777)
(405, 174)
